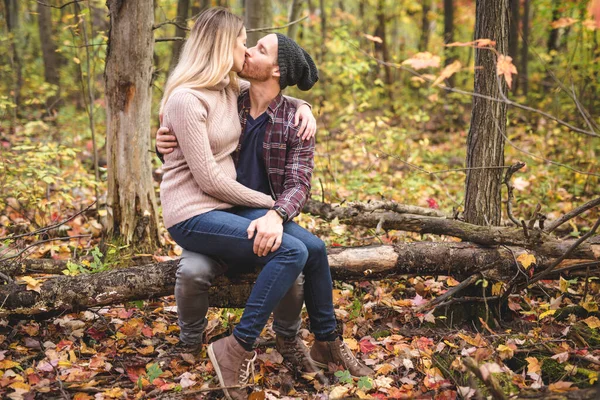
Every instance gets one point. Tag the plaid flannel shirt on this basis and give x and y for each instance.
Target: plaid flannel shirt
(289, 160)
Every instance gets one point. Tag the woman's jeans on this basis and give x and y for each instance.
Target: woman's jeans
(223, 235)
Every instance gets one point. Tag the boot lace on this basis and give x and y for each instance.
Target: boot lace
(247, 370)
(295, 351)
(347, 355)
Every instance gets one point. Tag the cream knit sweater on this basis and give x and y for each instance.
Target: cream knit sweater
(199, 175)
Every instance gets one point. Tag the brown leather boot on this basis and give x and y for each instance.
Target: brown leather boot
(234, 366)
(296, 357)
(337, 352)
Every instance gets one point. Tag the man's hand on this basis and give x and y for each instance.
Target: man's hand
(308, 123)
(269, 233)
(165, 143)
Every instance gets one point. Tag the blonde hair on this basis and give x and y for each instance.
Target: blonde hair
(207, 55)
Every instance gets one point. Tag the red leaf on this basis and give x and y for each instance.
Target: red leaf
(432, 203)
(133, 373)
(96, 334)
(366, 346)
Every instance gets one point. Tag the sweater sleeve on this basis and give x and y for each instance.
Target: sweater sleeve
(187, 119)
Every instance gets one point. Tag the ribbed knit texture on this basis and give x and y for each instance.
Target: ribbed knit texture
(199, 175)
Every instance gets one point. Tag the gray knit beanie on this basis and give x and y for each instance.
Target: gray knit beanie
(295, 65)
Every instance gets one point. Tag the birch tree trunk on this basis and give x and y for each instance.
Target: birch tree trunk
(258, 14)
(49, 54)
(131, 199)
(295, 11)
(485, 142)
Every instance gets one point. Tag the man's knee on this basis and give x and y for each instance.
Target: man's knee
(316, 248)
(197, 271)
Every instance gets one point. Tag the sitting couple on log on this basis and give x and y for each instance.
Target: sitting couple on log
(236, 175)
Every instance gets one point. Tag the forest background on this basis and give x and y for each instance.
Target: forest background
(398, 125)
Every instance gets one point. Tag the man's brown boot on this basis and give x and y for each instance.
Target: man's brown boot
(337, 352)
(296, 357)
(234, 366)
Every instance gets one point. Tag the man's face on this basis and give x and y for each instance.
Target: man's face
(261, 60)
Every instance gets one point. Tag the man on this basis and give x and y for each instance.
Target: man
(273, 159)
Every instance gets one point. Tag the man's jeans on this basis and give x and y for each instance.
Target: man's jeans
(223, 235)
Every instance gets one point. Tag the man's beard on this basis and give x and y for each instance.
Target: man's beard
(255, 73)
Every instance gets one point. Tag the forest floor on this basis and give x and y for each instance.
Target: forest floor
(547, 341)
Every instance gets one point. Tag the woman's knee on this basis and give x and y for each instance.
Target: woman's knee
(197, 270)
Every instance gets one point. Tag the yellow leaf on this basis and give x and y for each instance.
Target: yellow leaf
(506, 351)
(506, 67)
(563, 285)
(451, 282)
(77, 61)
(546, 313)
(423, 60)
(114, 393)
(533, 365)
(563, 22)
(338, 392)
(526, 259)
(352, 344)
(447, 72)
(561, 387)
(373, 38)
(592, 322)
(497, 288)
(8, 364)
(21, 386)
(32, 284)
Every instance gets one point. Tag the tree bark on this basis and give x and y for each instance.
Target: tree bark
(73, 293)
(132, 210)
(323, 15)
(198, 6)
(485, 142)
(259, 14)
(49, 54)
(295, 11)
(513, 39)
(449, 52)
(12, 23)
(425, 25)
(524, 50)
(183, 9)
(382, 47)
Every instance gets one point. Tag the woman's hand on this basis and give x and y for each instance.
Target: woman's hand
(165, 143)
(308, 123)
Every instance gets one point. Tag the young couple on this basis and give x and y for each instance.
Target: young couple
(227, 128)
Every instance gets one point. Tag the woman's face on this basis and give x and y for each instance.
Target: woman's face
(239, 52)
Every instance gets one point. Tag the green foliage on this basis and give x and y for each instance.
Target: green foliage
(344, 376)
(93, 267)
(365, 383)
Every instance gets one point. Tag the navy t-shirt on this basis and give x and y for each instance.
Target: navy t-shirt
(251, 170)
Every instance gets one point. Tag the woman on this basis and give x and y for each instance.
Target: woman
(199, 186)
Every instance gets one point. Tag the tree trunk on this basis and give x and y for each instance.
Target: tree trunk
(295, 11)
(513, 39)
(323, 13)
(449, 52)
(524, 50)
(71, 293)
(259, 14)
(183, 9)
(49, 54)
(425, 25)
(132, 212)
(198, 6)
(12, 23)
(372, 216)
(485, 142)
(382, 48)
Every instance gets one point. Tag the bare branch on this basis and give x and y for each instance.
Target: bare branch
(169, 39)
(157, 26)
(572, 214)
(582, 239)
(62, 6)
(275, 28)
(509, 173)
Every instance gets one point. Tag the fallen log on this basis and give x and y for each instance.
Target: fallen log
(73, 293)
(533, 239)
